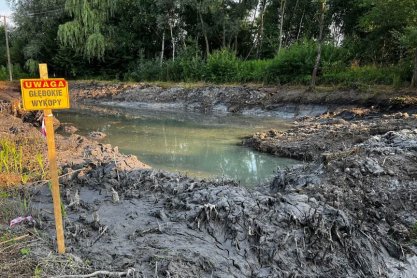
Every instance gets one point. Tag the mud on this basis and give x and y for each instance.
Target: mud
(350, 211)
(351, 217)
(285, 101)
(315, 138)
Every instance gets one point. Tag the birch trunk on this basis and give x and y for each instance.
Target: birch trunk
(261, 29)
(414, 79)
(281, 23)
(300, 25)
(162, 48)
(204, 34)
(319, 46)
(172, 40)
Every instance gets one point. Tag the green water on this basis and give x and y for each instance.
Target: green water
(191, 143)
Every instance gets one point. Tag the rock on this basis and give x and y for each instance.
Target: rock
(399, 232)
(398, 115)
(373, 167)
(115, 196)
(70, 129)
(97, 135)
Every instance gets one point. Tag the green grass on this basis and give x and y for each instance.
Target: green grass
(21, 161)
(413, 234)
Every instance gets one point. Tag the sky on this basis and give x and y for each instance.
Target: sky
(4, 8)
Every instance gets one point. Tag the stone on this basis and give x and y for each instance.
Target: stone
(97, 135)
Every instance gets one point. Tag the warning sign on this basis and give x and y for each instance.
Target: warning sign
(39, 94)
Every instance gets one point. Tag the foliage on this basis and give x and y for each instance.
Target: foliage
(295, 64)
(17, 72)
(214, 41)
(371, 74)
(291, 66)
(253, 71)
(20, 162)
(221, 67)
(85, 32)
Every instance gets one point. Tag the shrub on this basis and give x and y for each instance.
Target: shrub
(295, 64)
(17, 72)
(371, 75)
(252, 70)
(191, 63)
(221, 66)
(145, 70)
(292, 63)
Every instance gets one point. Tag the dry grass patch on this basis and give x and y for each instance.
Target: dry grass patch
(15, 260)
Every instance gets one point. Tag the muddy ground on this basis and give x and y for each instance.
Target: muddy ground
(282, 101)
(349, 211)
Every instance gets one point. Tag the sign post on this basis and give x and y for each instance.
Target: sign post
(48, 94)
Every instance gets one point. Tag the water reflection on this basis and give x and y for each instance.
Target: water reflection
(196, 144)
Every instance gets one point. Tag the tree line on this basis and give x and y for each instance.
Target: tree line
(273, 41)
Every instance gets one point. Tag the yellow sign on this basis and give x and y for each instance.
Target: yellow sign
(39, 94)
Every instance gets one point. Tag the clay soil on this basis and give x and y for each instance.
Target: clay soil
(348, 210)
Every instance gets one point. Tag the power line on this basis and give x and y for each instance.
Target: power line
(46, 12)
(38, 13)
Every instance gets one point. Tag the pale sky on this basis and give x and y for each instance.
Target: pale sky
(4, 8)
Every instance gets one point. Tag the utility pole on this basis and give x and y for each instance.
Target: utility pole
(9, 63)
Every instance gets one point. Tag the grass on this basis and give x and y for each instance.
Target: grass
(25, 253)
(14, 255)
(413, 234)
(21, 160)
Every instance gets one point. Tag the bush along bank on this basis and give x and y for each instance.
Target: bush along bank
(292, 65)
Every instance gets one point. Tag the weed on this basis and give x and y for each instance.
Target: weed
(24, 251)
(20, 161)
(37, 272)
(413, 233)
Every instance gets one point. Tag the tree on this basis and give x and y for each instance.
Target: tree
(391, 26)
(87, 33)
(33, 40)
(409, 39)
(281, 12)
(323, 9)
(382, 23)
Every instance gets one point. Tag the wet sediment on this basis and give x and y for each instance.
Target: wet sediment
(348, 211)
(350, 217)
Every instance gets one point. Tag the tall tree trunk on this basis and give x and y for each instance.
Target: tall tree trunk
(224, 34)
(203, 27)
(281, 23)
(301, 24)
(414, 79)
(162, 48)
(257, 33)
(261, 29)
(172, 40)
(319, 46)
(224, 25)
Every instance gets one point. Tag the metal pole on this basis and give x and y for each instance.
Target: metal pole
(9, 63)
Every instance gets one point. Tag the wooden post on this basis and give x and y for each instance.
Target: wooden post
(50, 137)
